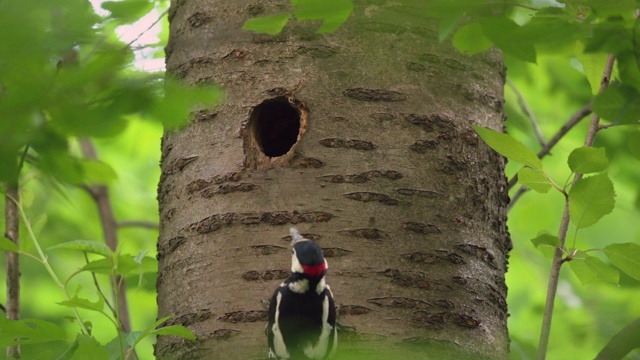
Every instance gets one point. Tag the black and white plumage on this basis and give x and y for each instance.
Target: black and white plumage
(302, 314)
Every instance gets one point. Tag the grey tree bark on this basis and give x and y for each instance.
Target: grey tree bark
(361, 139)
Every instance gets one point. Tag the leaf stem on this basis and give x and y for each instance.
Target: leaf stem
(99, 289)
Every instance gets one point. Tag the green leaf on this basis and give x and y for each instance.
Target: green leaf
(609, 36)
(585, 160)
(546, 244)
(97, 172)
(448, 24)
(546, 239)
(592, 65)
(552, 30)
(625, 257)
(76, 302)
(179, 101)
(333, 12)
(590, 199)
(628, 70)
(113, 347)
(132, 338)
(8, 245)
(271, 24)
(590, 269)
(128, 10)
(509, 147)
(87, 347)
(28, 331)
(507, 35)
(534, 179)
(633, 144)
(619, 104)
(90, 246)
(124, 265)
(470, 39)
(100, 266)
(175, 330)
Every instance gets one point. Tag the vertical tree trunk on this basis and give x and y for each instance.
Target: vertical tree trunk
(361, 139)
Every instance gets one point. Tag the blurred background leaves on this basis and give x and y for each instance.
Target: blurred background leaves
(65, 72)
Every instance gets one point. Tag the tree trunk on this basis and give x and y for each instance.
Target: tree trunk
(362, 140)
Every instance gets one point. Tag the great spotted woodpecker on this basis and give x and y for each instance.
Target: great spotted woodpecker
(302, 314)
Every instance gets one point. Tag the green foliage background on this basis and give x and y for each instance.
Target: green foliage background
(585, 317)
(70, 214)
(554, 86)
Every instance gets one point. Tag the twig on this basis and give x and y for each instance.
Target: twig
(138, 223)
(554, 276)
(526, 109)
(100, 195)
(606, 126)
(573, 121)
(12, 223)
(147, 29)
(516, 196)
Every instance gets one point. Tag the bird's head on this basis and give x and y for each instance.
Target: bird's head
(306, 257)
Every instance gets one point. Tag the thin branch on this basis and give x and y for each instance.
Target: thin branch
(573, 121)
(147, 29)
(526, 109)
(139, 223)
(554, 276)
(610, 125)
(100, 195)
(12, 224)
(516, 196)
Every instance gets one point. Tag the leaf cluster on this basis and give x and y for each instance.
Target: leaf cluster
(332, 13)
(111, 263)
(585, 29)
(65, 74)
(589, 199)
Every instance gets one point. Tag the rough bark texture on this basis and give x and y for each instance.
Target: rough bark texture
(385, 173)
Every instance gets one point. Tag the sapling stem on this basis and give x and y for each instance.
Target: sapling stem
(558, 260)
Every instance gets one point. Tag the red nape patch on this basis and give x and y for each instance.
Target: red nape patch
(314, 270)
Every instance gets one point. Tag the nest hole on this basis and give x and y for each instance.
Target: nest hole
(275, 124)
